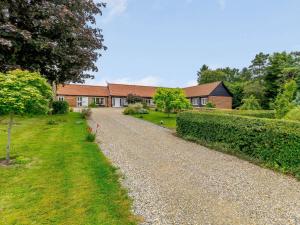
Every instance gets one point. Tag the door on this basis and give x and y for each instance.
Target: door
(82, 101)
(116, 102)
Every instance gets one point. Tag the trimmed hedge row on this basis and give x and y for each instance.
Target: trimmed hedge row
(254, 113)
(275, 143)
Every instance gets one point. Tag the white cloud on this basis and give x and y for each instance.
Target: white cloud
(115, 8)
(147, 80)
(222, 4)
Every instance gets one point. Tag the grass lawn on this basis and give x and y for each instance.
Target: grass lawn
(58, 177)
(156, 117)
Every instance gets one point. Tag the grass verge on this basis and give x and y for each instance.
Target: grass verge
(158, 117)
(58, 177)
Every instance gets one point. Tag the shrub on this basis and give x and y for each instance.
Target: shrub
(275, 143)
(93, 105)
(133, 109)
(253, 113)
(250, 103)
(210, 105)
(284, 101)
(294, 114)
(142, 111)
(86, 113)
(60, 107)
(90, 137)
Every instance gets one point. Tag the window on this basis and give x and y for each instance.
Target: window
(148, 101)
(99, 101)
(204, 101)
(79, 101)
(61, 98)
(195, 101)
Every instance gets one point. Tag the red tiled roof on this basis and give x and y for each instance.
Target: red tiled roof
(82, 90)
(201, 90)
(125, 89)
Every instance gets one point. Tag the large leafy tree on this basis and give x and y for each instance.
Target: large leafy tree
(171, 100)
(21, 93)
(57, 38)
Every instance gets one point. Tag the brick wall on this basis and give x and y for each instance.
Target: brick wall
(72, 100)
(221, 102)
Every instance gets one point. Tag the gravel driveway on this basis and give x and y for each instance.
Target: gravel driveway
(173, 181)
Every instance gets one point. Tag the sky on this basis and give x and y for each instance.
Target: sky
(165, 42)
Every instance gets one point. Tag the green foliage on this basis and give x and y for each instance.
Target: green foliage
(274, 143)
(60, 107)
(210, 105)
(23, 92)
(294, 114)
(171, 100)
(93, 105)
(90, 137)
(57, 38)
(297, 99)
(136, 108)
(209, 76)
(132, 99)
(284, 101)
(250, 103)
(237, 90)
(86, 113)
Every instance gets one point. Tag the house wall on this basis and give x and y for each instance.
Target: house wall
(72, 100)
(221, 102)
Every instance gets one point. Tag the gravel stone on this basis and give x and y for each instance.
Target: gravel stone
(173, 181)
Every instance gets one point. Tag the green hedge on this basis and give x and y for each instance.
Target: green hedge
(254, 113)
(275, 143)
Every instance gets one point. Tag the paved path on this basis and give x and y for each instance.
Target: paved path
(173, 181)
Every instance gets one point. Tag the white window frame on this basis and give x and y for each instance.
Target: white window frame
(101, 101)
(204, 101)
(61, 98)
(195, 101)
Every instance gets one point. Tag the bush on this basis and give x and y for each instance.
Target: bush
(142, 111)
(60, 107)
(253, 113)
(133, 109)
(250, 103)
(86, 113)
(90, 137)
(274, 143)
(294, 114)
(93, 105)
(210, 105)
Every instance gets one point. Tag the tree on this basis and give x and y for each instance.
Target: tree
(57, 38)
(209, 76)
(255, 88)
(132, 99)
(276, 73)
(284, 101)
(259, 64)
(21, 93)
(171, 100)
(199, 73)
(250, 103)
(237, 90)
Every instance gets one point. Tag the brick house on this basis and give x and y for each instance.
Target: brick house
(115, 95)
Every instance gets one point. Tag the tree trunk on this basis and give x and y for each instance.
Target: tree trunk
(10, 123)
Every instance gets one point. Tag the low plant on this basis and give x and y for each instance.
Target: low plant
(93, 105)
(136, 108)
(274, 143)
(52, 122)
(210, 105)
(294, 114)
(86, 113)
(60, 107)
(250, 103)
(91, 135)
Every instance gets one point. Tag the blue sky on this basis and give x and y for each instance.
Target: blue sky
(164, 42)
